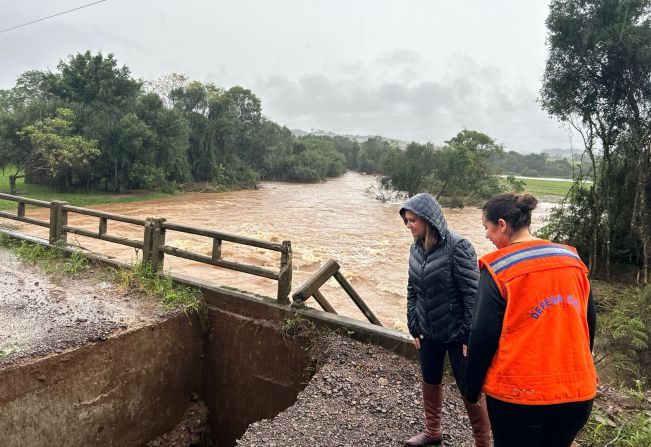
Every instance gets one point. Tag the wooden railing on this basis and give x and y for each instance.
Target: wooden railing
(153, 242)
(311, 289)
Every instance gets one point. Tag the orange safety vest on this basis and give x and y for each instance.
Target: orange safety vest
(543, 356)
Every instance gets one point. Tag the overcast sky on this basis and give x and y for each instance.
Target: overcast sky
(406, 69)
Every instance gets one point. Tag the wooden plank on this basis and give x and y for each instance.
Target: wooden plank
(105, 237)
(316, 281)
(110, 216)
(29, 220)
(21, 209)
(34, 202)
(361, 305)
(250, 269)
(224, 236)
(325, 305)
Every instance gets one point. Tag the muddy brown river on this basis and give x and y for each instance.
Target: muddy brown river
(335, 219)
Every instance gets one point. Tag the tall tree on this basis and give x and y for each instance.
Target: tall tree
(598, 79)
(52, 148)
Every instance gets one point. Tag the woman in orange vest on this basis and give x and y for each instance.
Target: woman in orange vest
(532, 332)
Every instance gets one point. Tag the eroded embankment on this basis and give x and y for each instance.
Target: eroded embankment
(85, 363)
(42, 313)
(360, 395)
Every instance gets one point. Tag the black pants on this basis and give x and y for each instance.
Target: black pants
(515, 425)
(432, 356)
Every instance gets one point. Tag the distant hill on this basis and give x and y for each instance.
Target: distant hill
(560, 153)
(359, 138)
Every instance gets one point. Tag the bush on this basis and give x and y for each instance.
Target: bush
(624, 332)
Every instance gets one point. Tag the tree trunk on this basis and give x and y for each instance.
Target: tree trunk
(441, 190)
(595, 217)
(640, 218)
(12, 184)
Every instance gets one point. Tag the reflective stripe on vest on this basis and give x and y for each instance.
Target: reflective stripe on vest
(543, 356)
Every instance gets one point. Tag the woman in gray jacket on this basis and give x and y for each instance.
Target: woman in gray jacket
(443, 276)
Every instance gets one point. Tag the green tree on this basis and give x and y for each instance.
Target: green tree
(464, 169)
(92, 78)
(411, 170)
(372, 155)
(52, 147)
(598, 80)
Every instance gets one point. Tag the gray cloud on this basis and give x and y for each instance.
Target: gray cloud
(379, 68)
(399, 56)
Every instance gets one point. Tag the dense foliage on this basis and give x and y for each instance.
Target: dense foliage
(460, 172)
(149, 136)
(91, 126)
(598, 80)
(533, 165)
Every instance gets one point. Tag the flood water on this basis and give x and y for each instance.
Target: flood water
(335, 219)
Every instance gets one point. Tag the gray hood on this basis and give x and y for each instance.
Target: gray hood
(426, 207)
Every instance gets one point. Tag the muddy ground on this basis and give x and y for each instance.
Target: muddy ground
(190, 432)
(360, 395)
(44, 313)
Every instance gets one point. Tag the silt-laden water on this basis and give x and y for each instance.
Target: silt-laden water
(334, 219)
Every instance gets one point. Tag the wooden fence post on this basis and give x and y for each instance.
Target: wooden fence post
(146, 241)
(58, 219)
(285, 276)
(157, 241)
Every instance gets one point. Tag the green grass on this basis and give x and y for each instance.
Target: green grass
(540, 187)
(48, 193)
(9, 351)
(142, 278)
(51, 259)
(629, 429)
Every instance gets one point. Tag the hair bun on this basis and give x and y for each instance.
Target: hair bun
(526, 202)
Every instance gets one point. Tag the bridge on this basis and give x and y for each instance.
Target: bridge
(150, 371)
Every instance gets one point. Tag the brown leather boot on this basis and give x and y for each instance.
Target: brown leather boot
(433, 403)
(481, 427)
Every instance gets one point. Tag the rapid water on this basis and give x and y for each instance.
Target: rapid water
(334, 219)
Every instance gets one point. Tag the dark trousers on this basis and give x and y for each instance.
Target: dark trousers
(515, 425)
(432, 357)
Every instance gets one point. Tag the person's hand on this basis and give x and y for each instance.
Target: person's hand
(465, 350)
(417, 342)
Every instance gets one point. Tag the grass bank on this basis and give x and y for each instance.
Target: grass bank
(48, 193)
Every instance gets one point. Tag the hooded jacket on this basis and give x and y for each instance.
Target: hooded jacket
(442, 284)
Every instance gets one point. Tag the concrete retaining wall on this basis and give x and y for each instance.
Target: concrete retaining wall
(121, 392)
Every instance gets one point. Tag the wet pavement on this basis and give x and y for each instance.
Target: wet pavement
(45, 313)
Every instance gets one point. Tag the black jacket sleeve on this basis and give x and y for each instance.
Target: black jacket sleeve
(592, 318)
(485, 335)
(466, 274)
(412, 319)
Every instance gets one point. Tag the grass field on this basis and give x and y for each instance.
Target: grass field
(542, 187)
(43, 192)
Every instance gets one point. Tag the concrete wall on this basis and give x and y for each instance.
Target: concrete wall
(121, 392)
